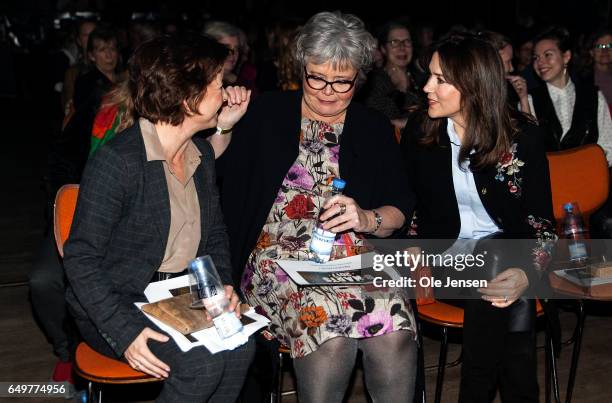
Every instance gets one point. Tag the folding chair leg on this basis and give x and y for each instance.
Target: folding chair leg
(279, 379)
(553, 371)
(90, 392)
(550, 368)
(441, 365)
(576, 352)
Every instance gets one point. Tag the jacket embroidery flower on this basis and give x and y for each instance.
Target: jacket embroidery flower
(508, 169)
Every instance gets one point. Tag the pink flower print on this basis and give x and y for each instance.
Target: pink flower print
(280, 196)
(334, 152)
(281, 276)
(247, 277)
(375, 324)
(300, 177)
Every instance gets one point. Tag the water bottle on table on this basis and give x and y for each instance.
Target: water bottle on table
(208, 292)
(322, 240)
(575, 232)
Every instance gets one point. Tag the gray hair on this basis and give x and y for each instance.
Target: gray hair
(221, 29)
(337, 38)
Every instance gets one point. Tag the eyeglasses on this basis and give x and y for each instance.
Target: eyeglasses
(602, 46)
(396, 43)
(339, 86)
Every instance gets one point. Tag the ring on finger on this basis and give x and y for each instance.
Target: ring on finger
(342, 208)
(506, 298)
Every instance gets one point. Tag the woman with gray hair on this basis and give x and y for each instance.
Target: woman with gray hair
(237, 70)
(283, 157)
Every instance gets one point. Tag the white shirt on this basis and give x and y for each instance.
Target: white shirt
(475, 221)
(564, 99)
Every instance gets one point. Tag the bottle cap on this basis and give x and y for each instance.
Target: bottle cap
(339, 183)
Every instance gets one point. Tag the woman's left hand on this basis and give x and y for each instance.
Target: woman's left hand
(348, 215)
(233, 298)
(234, 302)
(236, 102)
(505, 288)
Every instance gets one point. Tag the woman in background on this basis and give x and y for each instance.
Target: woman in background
(392, 89)
(571, 112)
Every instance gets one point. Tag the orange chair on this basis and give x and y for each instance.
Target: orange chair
(96, 368)
(63, 211)
(578, 175)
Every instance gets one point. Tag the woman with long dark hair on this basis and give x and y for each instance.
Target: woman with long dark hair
(480, 174)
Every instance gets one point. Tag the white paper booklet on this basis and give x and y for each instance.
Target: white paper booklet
(208, 338)
(353, 270)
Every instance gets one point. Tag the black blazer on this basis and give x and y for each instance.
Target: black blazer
(514, 210)
(266, 143)
(119, 234)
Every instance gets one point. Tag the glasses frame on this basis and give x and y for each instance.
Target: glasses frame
(309, 76)
(603, 46)
(407, 43)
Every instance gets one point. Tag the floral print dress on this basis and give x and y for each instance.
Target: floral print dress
(304, 318)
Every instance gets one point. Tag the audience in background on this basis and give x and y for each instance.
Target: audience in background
(237, 70)
(392, 89)
(80, 67)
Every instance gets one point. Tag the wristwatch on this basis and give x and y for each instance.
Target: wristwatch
(223, 132)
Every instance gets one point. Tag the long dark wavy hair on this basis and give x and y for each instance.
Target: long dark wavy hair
(474, 67)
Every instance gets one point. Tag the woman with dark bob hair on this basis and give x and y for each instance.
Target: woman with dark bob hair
(480, 175)
(282, 160)
(147, 205)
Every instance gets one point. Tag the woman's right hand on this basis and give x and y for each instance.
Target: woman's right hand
(142, 359)
(519, 84)
(237, 100)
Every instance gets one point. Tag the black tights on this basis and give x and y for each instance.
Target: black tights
(389, 363)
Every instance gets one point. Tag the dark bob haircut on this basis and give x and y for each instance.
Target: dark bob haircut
(168, 76)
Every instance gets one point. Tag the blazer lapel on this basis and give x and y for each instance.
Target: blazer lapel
(203, 200)
(156, 195)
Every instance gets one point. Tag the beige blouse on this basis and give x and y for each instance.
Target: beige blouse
(185, 231)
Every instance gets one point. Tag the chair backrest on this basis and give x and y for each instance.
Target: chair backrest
(65, 204)
(578, 175)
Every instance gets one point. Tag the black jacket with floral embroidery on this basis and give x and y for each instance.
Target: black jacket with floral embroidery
(516, 192)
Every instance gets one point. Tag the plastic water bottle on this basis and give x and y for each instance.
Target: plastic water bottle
(322, 240)
(575, 232)
(208, 291)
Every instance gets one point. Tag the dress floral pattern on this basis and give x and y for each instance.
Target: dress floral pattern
(304, 318)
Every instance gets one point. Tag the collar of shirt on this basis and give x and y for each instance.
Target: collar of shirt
(452, 133)
(556, 92)
(455, 142)
(153, 146)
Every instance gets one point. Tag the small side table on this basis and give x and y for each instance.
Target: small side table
(598, 293)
